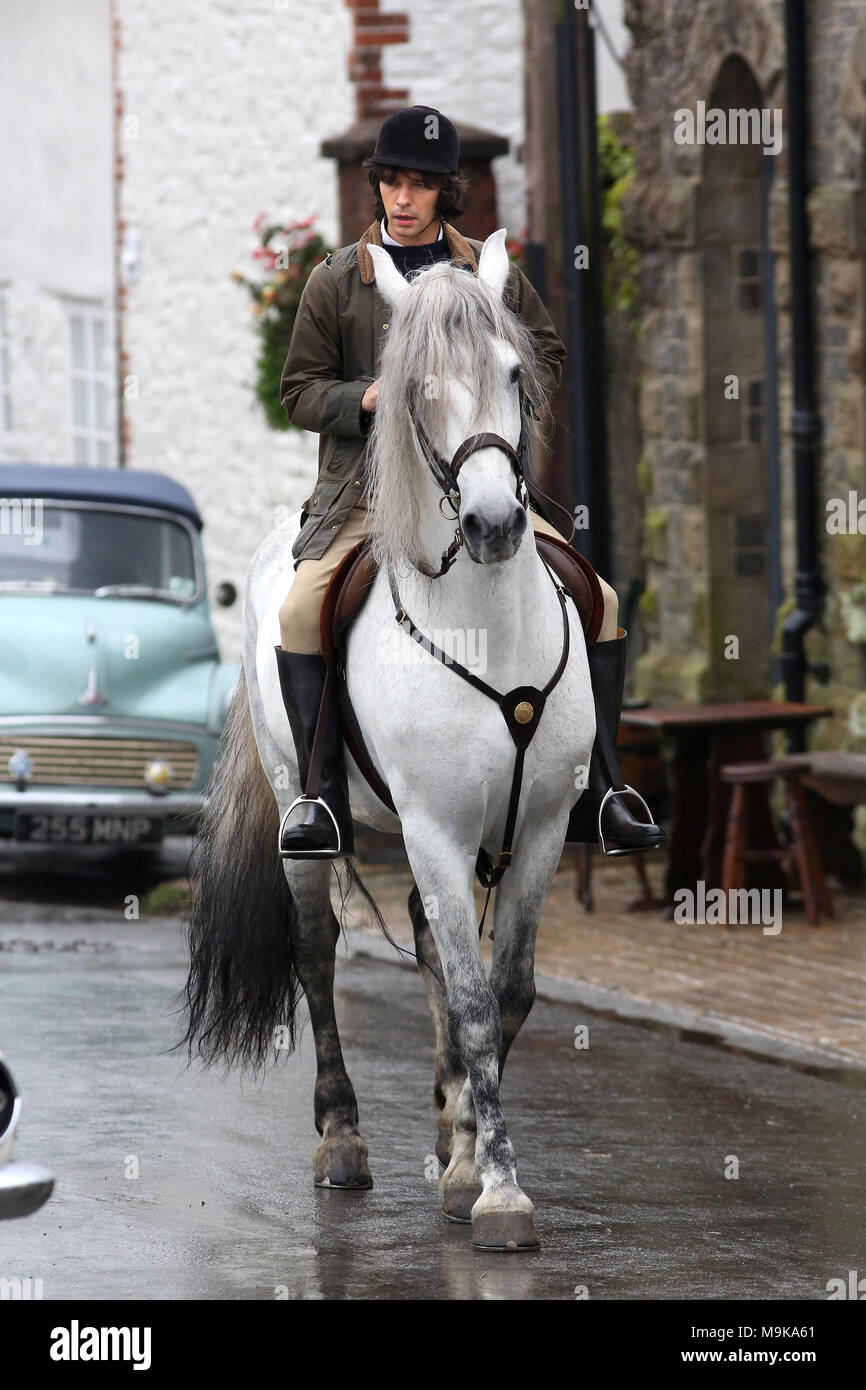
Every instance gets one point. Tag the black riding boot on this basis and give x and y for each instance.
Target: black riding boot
(616, 831)
(320, 828)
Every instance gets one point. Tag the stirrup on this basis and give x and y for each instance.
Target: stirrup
(309, 853)
(624, 790)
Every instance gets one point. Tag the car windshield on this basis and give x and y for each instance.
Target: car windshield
(56, 547)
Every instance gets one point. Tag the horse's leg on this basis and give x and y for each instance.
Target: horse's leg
(502, 1214)
(341, 1158)
(450, 1073)
(517, 909)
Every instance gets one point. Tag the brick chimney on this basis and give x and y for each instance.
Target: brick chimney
(374, 30)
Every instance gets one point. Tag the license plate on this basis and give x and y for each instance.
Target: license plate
(39, 827)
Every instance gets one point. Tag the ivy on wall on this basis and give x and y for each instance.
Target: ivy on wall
(616, 164)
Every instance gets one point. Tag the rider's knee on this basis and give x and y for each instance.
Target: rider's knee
(298, 633)
(611, 602)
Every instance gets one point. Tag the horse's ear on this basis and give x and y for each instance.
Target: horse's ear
(493, 263)
(388, 278)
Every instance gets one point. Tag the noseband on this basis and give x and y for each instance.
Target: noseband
(446, 472)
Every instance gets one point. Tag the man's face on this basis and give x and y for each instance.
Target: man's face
(410, 206)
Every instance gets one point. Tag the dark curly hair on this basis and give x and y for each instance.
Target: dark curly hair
(452, 188)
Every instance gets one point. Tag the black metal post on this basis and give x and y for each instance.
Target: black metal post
(809, 587)
(570, 170)
(597, 354)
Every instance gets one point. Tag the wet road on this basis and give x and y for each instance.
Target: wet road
(176, 1184)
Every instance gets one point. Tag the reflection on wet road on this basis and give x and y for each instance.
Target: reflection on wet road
(177, 1184)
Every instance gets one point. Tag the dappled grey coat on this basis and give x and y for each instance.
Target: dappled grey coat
(333, 358)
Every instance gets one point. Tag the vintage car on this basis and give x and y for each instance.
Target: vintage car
(24, 1187)
(112, 692)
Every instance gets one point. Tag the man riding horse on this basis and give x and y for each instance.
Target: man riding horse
(329, 386)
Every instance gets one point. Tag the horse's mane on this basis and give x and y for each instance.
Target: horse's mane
(444, 327)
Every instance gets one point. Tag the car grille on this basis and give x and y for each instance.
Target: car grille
(100, 762)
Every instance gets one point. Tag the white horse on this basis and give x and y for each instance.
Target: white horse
(455, 362)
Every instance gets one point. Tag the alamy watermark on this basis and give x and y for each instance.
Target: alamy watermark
(738, 126)
(715, 907)
(22, 516)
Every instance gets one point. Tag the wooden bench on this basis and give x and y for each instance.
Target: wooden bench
(835, 783)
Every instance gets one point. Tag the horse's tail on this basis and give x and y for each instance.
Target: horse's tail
(242, 991)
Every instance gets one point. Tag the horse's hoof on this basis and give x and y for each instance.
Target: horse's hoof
(457, 1202)
(504, 1230)
(341, 1165)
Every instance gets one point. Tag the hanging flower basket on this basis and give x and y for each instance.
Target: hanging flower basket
(286, 254)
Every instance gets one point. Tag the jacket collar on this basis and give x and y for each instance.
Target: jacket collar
(459, 248)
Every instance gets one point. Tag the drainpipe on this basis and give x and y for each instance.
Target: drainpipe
(571, 183)
(600, 518)
(582, 289)
(809, 587)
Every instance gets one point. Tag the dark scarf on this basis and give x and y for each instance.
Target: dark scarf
(408, 259)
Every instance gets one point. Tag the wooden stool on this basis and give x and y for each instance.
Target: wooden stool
(803, 850)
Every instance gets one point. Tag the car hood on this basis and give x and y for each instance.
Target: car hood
(64, 654)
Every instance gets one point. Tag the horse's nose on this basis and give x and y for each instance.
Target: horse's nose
(481, 531)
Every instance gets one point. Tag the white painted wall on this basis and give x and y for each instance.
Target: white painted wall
(611, 88)
(467, 61)
(56, 215)
(230, 100)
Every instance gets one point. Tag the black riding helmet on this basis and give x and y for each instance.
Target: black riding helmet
(418, 137)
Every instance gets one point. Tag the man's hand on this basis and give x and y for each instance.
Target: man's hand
(370, 398)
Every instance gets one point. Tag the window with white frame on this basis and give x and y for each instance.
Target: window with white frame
(93, 435)
(7, 416)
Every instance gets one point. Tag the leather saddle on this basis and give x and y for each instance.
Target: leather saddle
(349, 586)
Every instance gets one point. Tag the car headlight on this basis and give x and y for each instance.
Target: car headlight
(158, 775)
(20, 767)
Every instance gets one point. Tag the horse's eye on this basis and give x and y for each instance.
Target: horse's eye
(515, 374)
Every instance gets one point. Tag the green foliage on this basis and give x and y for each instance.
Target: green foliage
(287, 255)
(645, 475)
(616, 171)
(648, 604)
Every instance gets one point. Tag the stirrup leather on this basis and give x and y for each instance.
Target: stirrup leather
(624, 790)
(312, 853)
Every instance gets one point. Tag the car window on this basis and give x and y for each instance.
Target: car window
(83, 549)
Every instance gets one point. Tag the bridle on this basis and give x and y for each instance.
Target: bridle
(447, 472)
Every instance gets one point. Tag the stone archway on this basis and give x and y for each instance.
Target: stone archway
(734, 467)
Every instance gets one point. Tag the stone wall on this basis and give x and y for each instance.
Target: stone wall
(678, 50)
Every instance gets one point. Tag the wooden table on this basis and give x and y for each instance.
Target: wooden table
(705, 738)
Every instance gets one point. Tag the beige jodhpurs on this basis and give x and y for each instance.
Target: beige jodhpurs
(299, 614)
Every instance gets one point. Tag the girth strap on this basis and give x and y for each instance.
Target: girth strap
(521, 708)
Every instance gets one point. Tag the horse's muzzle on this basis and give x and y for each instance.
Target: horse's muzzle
(489, 542)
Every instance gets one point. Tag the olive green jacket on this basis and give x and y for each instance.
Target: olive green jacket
(333, 358)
